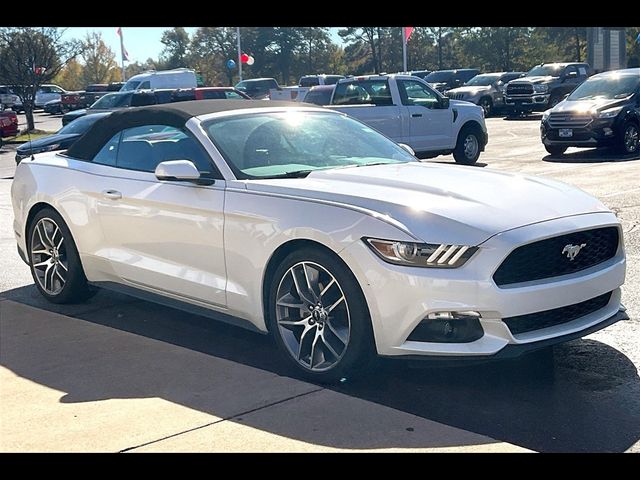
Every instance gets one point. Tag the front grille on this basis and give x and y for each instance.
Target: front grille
(550, 257)
(557, 316)
(520, 89)
(568, 120)
(456, 96)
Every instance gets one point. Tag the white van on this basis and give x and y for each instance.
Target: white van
(177, 78)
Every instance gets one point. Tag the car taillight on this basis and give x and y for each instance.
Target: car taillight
(14, 120)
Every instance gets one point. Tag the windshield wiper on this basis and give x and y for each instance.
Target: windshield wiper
(293, 174)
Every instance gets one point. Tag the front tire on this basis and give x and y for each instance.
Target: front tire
(318, 316)
(555, 149)
(467, 149)
(487, 106)
(629, 142)
(54, 260)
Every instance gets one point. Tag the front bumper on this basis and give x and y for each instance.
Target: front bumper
(527, 102)
(399, 298)
(598, 133)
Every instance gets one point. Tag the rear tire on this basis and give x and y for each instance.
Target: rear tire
(54, 261)
(467, 149)
(555, 149)
(324, 331)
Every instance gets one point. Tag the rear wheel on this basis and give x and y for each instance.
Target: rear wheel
(54, 260)
(467, 149)
(319, 317)
(628, 143)
(555, 149)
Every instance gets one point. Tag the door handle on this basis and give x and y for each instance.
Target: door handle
(416, 115)
(112, 194)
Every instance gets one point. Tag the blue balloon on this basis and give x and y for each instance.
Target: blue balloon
(231, 64)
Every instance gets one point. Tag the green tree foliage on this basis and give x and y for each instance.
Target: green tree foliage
(176, 51)
(99, 60)
(30, 57)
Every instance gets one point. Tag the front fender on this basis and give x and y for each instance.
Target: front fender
(257, 224)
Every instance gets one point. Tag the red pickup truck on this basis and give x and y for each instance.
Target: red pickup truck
(8, 123)
(85, 98)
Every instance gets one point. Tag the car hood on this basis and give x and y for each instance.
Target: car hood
(535, 80)
(75, 113)
(440, 203)
(598, 104)
(470, 89)
(44, 142)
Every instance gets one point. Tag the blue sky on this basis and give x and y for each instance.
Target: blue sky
(140, 42)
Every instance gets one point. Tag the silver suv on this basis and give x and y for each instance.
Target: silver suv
(486, 90)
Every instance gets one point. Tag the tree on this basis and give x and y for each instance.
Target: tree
(71, 76)
(176, 51)
(30, 57)
(440, 35)
(99, 60)
(357, 37)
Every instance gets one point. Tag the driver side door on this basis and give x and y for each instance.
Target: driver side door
(430, 127)
(163, 236)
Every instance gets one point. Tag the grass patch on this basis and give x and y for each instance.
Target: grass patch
(24, 137)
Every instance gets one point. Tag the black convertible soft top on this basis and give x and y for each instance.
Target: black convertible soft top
(172, 114)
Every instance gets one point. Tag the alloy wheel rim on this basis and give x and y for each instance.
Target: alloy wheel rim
(631, 139)
(313, 316)
(470, 146)
(49, 256)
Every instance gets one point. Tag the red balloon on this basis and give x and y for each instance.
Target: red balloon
(244, 58)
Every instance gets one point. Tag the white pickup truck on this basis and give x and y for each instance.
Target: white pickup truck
(409, 111)
(297, 93)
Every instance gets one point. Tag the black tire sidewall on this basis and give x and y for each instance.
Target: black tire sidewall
(361, 346)
(76, 288)
(622, 148)
(458, 152)
(555, 150)
(488, 101)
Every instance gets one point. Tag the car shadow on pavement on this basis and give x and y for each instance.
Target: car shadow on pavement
(594, 155)
(534, 117)
(583, 398)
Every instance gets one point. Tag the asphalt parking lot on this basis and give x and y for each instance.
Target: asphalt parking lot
(587, 400)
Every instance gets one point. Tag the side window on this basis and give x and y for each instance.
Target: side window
(212, 95)
(365, 92)
(55, 90)
(415, 93)
(571, 72)
(144, 85)
(45, 89)
(143, 148)
(230, 95)
(109, 153)
(141, 99)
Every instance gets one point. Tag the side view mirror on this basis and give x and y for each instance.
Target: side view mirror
(181, 171)
(444, 103)
(407, 148)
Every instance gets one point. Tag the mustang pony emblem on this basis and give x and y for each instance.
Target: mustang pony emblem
(572, 251)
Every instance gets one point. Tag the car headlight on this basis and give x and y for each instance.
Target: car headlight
(546, 114)
(421, 254)
(540, 88)
(610, 113)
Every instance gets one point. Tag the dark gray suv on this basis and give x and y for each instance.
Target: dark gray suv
(544, 86)
(485, 90)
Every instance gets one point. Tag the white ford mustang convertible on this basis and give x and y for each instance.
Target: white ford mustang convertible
(309, 225)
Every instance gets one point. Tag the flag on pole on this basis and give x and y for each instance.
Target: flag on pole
(407, 33)
(123, 51)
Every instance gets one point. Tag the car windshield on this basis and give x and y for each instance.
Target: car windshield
(130, 85)
(80, 125)
(293, 143)
(482, 80)
(439, 77)
(545, 71)
(112, 100)
(609, 87)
